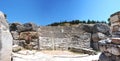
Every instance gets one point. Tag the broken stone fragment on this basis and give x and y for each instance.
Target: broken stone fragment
(102, 48)
(100, 27)
(15, 35)
(87, 28)
(115, 40)
(24, 35)
(83, 50)
(103, 44)
(105, 41)
(113, 50)
(16, 48)
(13, 26)
(108, 54)
(116, 28)
(27, 27)
(98, 36)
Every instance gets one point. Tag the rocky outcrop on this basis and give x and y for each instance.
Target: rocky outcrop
(5, 40)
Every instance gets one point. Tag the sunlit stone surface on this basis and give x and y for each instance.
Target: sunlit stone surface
(5, 40)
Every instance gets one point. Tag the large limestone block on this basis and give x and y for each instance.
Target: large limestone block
(88, 28)
(5, 40)
(27, 27)
(100, 27)
(113, 50)
(103, 44)
(114, 18)
(115, 28)
(98, 36)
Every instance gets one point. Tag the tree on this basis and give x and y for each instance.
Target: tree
(5, 15)
(76, 22)
(83, 21)
(88, 22)
(109, 21)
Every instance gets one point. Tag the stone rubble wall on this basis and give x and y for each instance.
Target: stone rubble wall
(48, 43)
(59, 37)
(55, 38)
(62, 38)
(110, 47)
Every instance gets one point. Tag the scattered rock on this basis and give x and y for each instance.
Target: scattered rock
(115, 40)
(16, 48)
(83, 50)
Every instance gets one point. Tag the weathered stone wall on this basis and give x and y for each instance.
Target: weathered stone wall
(55, 37)
(63, 37)
(5, 40)
(81, 41)
(59, 37)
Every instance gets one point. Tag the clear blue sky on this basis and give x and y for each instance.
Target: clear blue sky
(43, 12)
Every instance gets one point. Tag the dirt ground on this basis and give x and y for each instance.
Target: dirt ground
(32, 55)
(58, 52)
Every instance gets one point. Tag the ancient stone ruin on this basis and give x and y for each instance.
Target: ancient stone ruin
(5, 40)
(83, 38)
(50, 38)
(111, 47)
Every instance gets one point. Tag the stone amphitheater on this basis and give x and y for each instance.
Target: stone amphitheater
(23, 40)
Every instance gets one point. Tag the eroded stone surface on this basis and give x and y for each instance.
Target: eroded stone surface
(5, 40)
(111, 49)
